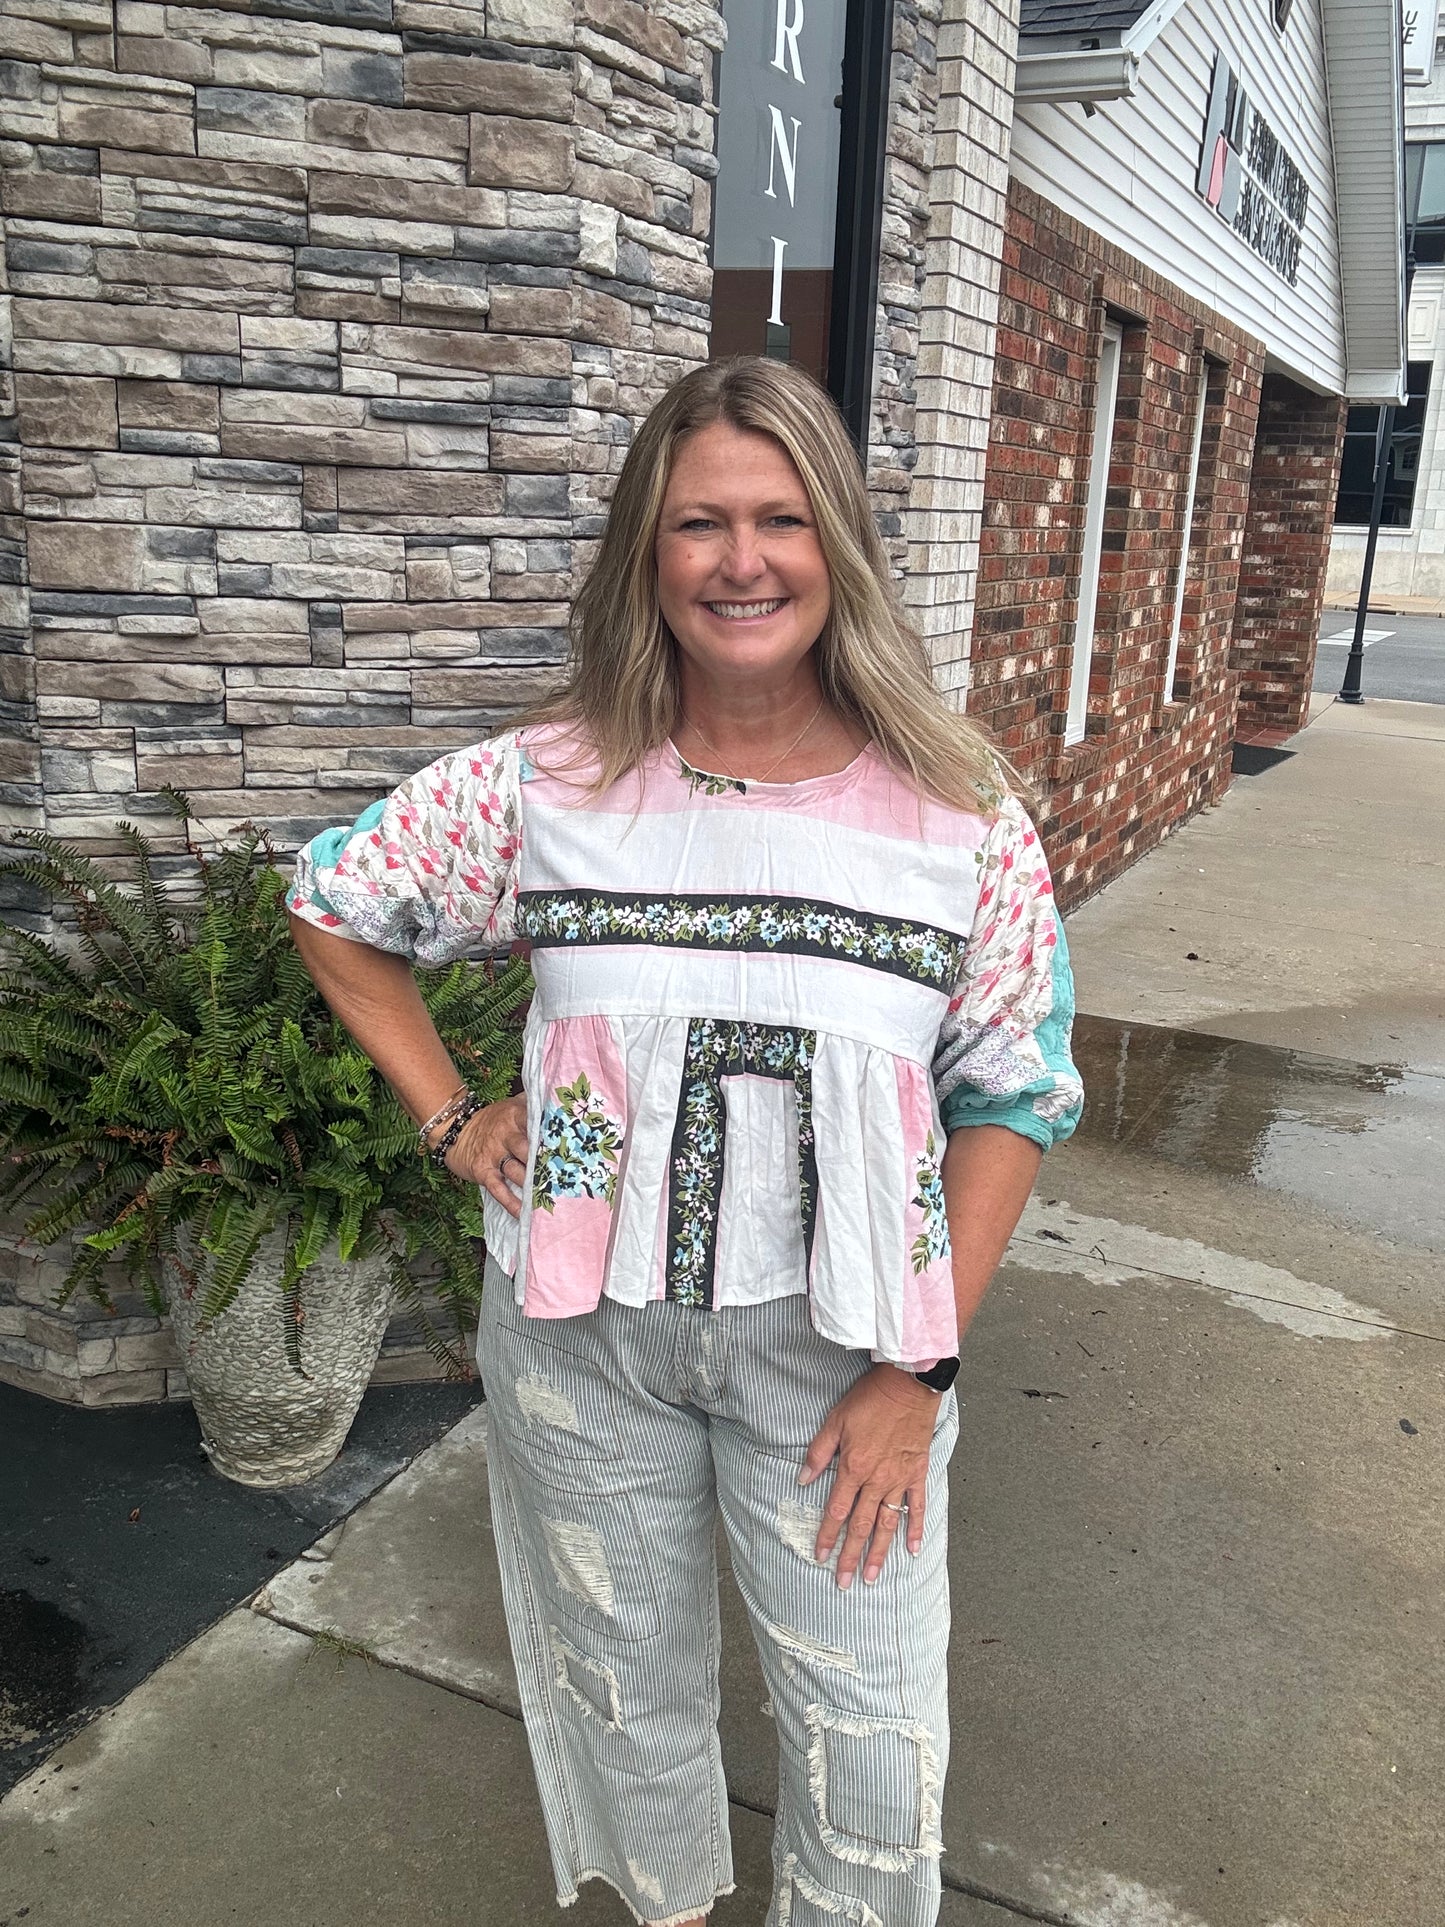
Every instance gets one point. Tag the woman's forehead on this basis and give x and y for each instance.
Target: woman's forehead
(721, 462)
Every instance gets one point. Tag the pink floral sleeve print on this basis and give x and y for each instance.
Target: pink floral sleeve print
(1003, 1052)
(429, 872)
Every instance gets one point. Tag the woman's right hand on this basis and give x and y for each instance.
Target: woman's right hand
(492, 1152)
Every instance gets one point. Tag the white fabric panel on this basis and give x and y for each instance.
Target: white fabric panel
(759, 853)
(760, 1233)
(862, 1180)
(653, 1052)
(809, 993)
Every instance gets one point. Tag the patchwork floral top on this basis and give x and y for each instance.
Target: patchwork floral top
(759, 1008)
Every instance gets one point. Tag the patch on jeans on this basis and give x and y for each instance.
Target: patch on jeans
(591, 1686)
(541, 1403)
(803, 1903)
(579, 1560)
(876, 1788)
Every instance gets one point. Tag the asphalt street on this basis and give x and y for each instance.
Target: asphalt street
(1404, 656)
(118, 1544)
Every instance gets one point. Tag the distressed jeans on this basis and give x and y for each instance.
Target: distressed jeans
(616, 1439)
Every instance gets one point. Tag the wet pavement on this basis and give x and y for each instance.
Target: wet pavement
(1195, 1565)
(1364, 1143)
(118, 1544)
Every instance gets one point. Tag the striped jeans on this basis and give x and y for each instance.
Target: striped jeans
(615, 1440)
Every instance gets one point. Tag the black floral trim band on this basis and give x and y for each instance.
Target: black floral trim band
(797, 926)
(718, 1049)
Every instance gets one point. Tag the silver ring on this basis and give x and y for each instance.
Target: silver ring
(888, 1506)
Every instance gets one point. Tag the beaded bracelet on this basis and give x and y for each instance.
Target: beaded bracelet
(461, 1118)
(458, 1097)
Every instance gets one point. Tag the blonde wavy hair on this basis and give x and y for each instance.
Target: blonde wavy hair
(622, 695)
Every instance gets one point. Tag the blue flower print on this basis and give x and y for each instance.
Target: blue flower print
(577, 1149)
(932, 1242)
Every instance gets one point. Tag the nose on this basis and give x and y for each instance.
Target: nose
(744, 561)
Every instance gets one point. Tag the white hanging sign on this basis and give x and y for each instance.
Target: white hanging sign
(1419, 23)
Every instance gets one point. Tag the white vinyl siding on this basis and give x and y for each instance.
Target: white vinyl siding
(1128, 172)
(1106, 400)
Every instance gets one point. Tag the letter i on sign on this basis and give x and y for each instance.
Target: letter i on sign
(788, 22)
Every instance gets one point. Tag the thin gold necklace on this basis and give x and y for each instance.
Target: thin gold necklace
(712, 749)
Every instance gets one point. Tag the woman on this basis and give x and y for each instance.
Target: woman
(791, 933)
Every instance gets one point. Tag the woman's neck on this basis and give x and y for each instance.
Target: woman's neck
(781, 734)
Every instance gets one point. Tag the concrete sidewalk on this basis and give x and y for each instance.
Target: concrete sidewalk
(1194, 1529)
(1305, 910)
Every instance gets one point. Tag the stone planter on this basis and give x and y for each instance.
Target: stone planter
(261, 1423)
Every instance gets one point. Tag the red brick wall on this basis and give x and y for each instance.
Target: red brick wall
(1291, 514)
(1145, 762)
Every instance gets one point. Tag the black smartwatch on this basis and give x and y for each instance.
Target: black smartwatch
(939, 1377)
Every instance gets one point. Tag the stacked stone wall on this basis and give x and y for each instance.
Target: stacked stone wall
(331, 323)
(325, 327)
(907, 167)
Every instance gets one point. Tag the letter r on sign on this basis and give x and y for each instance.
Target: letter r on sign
(785, 46)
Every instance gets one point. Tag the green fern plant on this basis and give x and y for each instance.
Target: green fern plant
(174, 1089)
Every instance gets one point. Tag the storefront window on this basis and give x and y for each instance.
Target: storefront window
(802, 99)
(1425, 200)
(1357, 465)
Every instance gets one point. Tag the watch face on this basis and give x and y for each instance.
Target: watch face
(941, 1376)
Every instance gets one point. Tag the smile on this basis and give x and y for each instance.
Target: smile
(746, 611)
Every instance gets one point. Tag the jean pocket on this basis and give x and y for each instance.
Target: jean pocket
(596, 1565)
(551, 1402)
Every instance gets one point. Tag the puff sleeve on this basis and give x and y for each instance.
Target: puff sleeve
(1003, 1051)
(430, 872)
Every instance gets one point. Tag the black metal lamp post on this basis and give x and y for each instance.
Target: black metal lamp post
(1384, 453)
(1384, 446)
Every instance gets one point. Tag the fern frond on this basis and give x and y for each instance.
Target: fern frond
(234, 1253)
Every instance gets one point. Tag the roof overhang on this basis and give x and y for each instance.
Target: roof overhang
(1364, 69)
(1099, 65)
(1363, 62)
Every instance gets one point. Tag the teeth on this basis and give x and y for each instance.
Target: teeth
(740, 611)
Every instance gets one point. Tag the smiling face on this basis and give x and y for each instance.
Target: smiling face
(741, 576)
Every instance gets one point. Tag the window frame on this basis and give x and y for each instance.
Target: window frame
(1186, 537)
(1395, 492)
(1101, 448)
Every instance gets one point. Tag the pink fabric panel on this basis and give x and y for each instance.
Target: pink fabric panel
(864, 796)
(930, 1315)
(577, 1167)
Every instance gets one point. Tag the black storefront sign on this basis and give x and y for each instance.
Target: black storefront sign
(797, 210)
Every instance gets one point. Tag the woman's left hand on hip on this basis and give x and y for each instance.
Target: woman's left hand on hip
(880, 1432)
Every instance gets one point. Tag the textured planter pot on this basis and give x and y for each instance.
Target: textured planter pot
(262, 1424)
